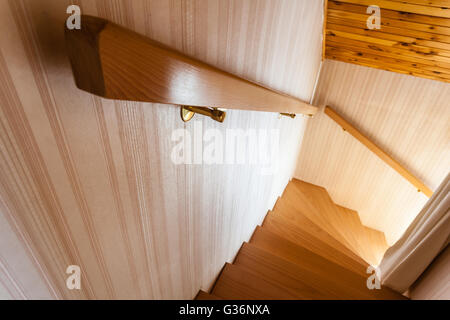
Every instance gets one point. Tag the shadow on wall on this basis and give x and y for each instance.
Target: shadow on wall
(48, 17)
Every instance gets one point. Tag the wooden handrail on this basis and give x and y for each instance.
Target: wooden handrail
(378, 151)
(117, 63)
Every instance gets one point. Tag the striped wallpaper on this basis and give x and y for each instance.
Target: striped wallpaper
(88, 181)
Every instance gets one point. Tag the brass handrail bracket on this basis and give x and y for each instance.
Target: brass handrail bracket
(188, 112)
(290, 115)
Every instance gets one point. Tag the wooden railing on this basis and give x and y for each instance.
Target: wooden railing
(113, 62)
(421, 187)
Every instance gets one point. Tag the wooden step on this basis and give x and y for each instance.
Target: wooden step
(354, 283)
(303, 200)
(300, 221)
(238, 283)
(304, 239)
(302, 203)
(202, 295)
(365, 247)
(369, 244)
(304, 283)
(378, 243)
(321, 200)
(372, 242)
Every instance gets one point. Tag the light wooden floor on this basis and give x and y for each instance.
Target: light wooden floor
(307, 248)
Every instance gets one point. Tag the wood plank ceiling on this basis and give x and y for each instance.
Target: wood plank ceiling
(414, 37)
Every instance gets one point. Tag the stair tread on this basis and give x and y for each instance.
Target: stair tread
(202, 295)
(368, 243)
(302, 203)
(302, 238)
(325, 207)
(304, 283)
(300, 221)
(355, 283)
(365, 247)
(238, 283)
(378, 243)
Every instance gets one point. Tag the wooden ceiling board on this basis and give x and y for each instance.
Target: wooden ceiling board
(413, 38)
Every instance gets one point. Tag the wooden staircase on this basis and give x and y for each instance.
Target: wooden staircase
(307, 248)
